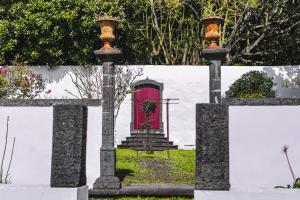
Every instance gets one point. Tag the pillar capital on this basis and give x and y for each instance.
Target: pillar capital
(108, 55)
(215, 56)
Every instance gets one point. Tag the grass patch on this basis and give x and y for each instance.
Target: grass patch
(156, 167)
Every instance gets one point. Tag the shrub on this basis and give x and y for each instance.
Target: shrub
(19, 82)
(254, 84)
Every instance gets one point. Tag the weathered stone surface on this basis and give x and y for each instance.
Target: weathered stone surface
(212, 141)
(215, 57)
(69, 146)
(147, 190)
(48, 102)
(107, 183)
(107, 179)
(260, 101)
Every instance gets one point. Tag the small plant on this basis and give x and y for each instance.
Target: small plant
(296, 181)
(254, 84)
(148, 108)
(19, 82)
(4, 178)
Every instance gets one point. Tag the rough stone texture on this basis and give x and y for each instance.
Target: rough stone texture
(48, 102)
(212, 141)
(149, 190)
(69, 146)
(107, 183)
(107, 179)
(260, 101)
(215, 57)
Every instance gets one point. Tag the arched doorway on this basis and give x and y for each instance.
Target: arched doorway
(144, 90)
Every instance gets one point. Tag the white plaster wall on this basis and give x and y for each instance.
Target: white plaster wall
(257, 135)
(32, 127)
(38, 192)
(275, 194)
(188, 83)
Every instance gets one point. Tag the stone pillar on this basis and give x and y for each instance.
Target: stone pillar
(107, 179)
(215, 57)
(69, 146)
(212, 144)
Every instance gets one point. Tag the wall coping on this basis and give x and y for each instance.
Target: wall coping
(260, 101)
(48, 102)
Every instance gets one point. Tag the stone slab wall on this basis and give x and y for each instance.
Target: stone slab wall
(256, 131)
(68, 166)
(32, 126)
(212, 158)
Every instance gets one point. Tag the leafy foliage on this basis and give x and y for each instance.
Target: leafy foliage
(149, 107)
(65, 32)
(254, 84)
(52, 32)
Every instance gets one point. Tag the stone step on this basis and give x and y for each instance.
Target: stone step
(144, 142)
(145, 139)
(155, 135)
(143, 148)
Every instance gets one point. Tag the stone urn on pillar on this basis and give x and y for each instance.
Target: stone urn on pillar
(108, 55)
(214, 54)
(108, 26)
(211, 30)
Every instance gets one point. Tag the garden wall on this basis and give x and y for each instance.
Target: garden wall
(239, 148)
(31, 123)
(188, 83)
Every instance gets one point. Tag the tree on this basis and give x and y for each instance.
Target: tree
(254, 84)
(52, 32)
(88, 81)
(63, 32)
(265, 33)
(169, 30)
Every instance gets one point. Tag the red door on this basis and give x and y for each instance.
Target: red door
(146, 92)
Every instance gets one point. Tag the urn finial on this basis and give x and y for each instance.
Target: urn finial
(107, 26)
(212, 33)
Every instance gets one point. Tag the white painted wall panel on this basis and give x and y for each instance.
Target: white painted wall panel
(188, 83)
(32, 127)
(257, 135)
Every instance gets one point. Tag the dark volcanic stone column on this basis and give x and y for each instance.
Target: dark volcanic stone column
(69, 146)
(212, 144)
(215, 57)
(107, 179)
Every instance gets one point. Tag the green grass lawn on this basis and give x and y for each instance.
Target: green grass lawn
(156, 167)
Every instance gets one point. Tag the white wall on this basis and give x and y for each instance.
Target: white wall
(32, 127)
(257, 135)
(188, 83)
(275, 194)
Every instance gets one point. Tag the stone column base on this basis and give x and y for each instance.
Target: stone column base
(107, 182)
